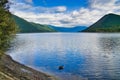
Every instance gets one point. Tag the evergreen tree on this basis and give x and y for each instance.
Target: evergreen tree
(7, 26)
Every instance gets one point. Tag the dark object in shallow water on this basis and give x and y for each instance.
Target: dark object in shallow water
(61, 67)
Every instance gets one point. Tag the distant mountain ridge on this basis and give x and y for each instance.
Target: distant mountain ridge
(71, 29)
(29, 27)
(108, 23)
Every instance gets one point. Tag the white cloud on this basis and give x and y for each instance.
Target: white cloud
(61, 8)
(29, 1)
(59, 15)
(23, 7)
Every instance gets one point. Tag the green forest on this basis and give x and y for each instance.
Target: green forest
(8, 27)
(30, 27)
(108, 23)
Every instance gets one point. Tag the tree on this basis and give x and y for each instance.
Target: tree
(8, 27)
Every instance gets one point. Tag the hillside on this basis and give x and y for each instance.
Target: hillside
(27, 27)
(73, 29)
(43, 28)
(108, 23)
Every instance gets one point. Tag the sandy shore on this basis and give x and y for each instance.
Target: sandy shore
(12, 70)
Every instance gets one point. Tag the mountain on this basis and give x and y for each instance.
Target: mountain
(108, 23)
(73, 29)
(43, 28)
(28, 27)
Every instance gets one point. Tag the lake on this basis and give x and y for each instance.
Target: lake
(85, 56)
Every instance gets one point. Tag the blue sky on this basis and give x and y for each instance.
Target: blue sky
(70, 4)
(65, 13)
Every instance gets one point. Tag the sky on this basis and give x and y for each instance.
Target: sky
(64, 13)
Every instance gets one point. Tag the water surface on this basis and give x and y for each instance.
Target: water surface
(88, 56)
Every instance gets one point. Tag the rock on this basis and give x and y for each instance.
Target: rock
(61, 67)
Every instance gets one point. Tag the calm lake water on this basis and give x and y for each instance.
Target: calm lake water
(85, 56)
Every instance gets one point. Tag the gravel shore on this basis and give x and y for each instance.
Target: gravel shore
(12, 70)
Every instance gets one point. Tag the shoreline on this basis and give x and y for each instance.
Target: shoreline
(19, 71)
